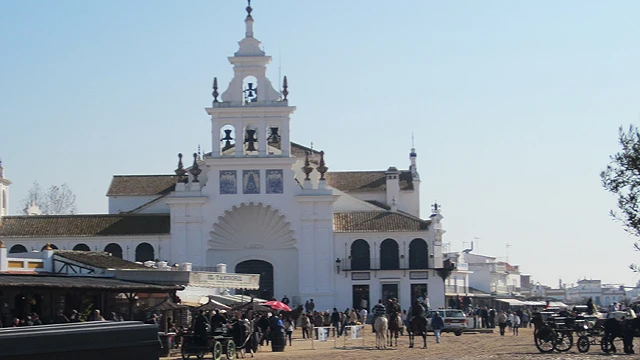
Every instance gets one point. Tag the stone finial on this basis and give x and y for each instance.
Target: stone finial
(2, 244)
(249, 8)
(47, 247)
(285, 92)
(307, 169)
(195, 168)
(215, 90)
(180, 171)
(322, 169)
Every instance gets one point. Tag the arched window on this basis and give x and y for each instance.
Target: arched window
(16, 249)
(251, 140)
(389, 255)
(53, 247)
(114, 249)
(418, 254)
(82, 247)
(249, 90)
(360, 255)
(227, 140)
(145, 252)
(274, 139)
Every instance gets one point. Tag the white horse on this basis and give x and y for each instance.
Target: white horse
(381, 325)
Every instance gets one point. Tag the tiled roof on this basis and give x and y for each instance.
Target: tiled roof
(372, 221)
(84, 225)
(141, 185)
(366, 181)
(97, 259)
(298, 150)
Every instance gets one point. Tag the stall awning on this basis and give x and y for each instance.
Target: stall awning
(224, 280)
(512, 302)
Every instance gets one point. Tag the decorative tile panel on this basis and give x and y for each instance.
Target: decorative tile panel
(274, 181)
(228, 182)
(251, 181)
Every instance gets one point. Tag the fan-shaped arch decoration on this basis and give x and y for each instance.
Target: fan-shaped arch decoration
(252, 226)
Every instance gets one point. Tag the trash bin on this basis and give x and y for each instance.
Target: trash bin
(163, 351)
(278, 341)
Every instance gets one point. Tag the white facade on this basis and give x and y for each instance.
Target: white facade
(260, 203)
(491, 276)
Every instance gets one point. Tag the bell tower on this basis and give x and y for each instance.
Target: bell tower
(250, 118)
(4, 193)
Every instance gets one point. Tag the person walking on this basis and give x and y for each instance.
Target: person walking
(502, 322)
(305, 324)
(516, 324)
(437, 324)
(363, 316)
(287, 324)
(335, 322)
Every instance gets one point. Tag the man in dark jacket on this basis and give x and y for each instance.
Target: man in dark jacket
(437, 324)
(200, 327)
(335, 321)
(217, 320)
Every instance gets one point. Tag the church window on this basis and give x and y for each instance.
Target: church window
(16, 249)
(82, 247)
(360, 255)
(228, 182)
(144, 252)
(114, 249)
(418, 254)
(389, 255)
(251, 140)
(249, 90)
(274, 181)
(53, 247)
(227, 140)
(251, 181)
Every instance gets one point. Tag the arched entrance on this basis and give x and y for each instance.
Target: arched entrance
(265, 270)
(144, 252)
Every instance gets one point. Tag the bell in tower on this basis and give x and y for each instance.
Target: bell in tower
(250, 140)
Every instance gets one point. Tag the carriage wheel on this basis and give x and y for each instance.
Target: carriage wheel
(184, 351)
(545, 343)
(231, 349)
(216, 350)
(564, 341)
(583, 344)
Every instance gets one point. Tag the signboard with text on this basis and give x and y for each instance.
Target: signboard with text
(224, 280)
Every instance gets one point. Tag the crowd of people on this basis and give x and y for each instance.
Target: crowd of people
(33, 319)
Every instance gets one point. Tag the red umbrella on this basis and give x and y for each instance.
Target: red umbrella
(277, 305)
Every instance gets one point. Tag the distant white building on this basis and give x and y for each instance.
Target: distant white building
(491, 276)
(4, 192)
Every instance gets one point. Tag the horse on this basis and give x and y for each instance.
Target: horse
(417, 326)
(394, 326)
(293, 314)
(381, 324)
(625, 329)
(241, 333)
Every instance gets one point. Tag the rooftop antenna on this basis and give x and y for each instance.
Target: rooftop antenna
(508, 246)
(412, 140)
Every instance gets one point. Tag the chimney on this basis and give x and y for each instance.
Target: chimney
(393, 187)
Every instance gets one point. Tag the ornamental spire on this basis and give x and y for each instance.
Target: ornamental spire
(249, 20)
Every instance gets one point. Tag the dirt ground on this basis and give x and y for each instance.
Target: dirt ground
(467, 346)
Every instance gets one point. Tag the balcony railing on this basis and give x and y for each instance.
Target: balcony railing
(400, 263)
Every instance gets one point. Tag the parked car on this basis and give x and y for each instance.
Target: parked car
(455, 321)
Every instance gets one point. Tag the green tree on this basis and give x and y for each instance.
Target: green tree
(622, 177)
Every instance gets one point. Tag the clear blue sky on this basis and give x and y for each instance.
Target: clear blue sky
(514, 105)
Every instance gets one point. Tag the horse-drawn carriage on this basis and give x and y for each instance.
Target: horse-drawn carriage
(555, 331)
(217, 343)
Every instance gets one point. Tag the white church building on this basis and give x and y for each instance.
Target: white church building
(263, 204)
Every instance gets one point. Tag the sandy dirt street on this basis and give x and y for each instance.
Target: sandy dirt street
(467, 346)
